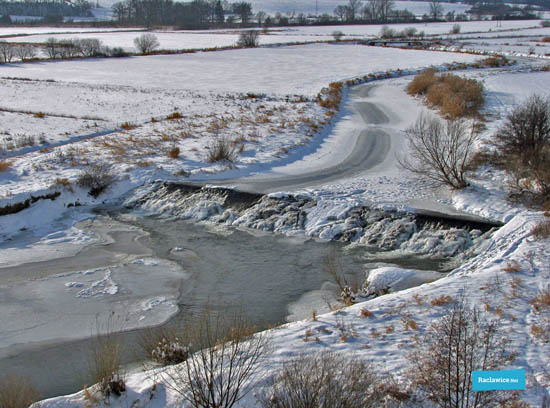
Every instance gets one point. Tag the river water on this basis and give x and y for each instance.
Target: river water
(273, 278)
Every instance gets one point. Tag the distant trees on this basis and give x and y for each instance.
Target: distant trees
(378, 10)
(244, 10)
(191, 15)
(43, 8)
(436, 10)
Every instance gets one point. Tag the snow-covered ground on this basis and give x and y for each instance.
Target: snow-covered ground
(209, 90)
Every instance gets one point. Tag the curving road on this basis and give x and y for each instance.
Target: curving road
(371, 146)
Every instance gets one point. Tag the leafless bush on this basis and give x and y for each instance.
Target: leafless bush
(221, 149)
(337, 35)
(541, 230)
(97, 178)
(443, 359)
(334, 267)
(165, 346)
(324, 380)
(526, 129)
(455, 29)
(440, 151)
(249, 38)
(387, 33)
(25, 52)
(52, 47)
(222, 370)
(105, 361)
(91, 47)
(17, 392)
(146, 43)
(524, 141)
(7, 52)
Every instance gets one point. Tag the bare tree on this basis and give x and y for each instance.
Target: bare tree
(7, 52)
(90, 47)
(146, 43)
(440, 151)
(325, 380)
(353, 8)
(436, 9)
(25, 52)
(220, 373)
(341, 12)
(443, 359)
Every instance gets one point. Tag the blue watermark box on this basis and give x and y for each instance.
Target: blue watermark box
(498, 380)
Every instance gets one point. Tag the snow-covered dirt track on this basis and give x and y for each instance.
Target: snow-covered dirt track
(370, 146)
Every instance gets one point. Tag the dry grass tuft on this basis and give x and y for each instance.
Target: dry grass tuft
(4, 165)
(128, 126)
(541, 230)
(546, 40)
(174, 115)
(174, 153)
(40, 115)
(512, 267)
(441, 300)
(330, 97)
(455, 96)
(542, 300)
(17, 392)
(365, 312)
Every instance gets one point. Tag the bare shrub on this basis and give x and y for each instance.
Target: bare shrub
(387, 33)
(324, 380)
(91, 47)
(146, 43)
(165, 346)
(524, 141)
(17, 392)
(223, 369)
(542, 300)
(52, 48)
(545, 23)
(541, 230)
(337, 35)
(334, 267)
(410, 31)
(439, 151)
(221, 149)
(249, 39)
(455, 29)
(105, 362)
(97, 178)
(526, 129)
(442, 360)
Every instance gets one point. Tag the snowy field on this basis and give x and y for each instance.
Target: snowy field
(174, 40)
(281, 70)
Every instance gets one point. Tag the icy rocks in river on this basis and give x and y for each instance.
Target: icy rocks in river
(300, 214)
